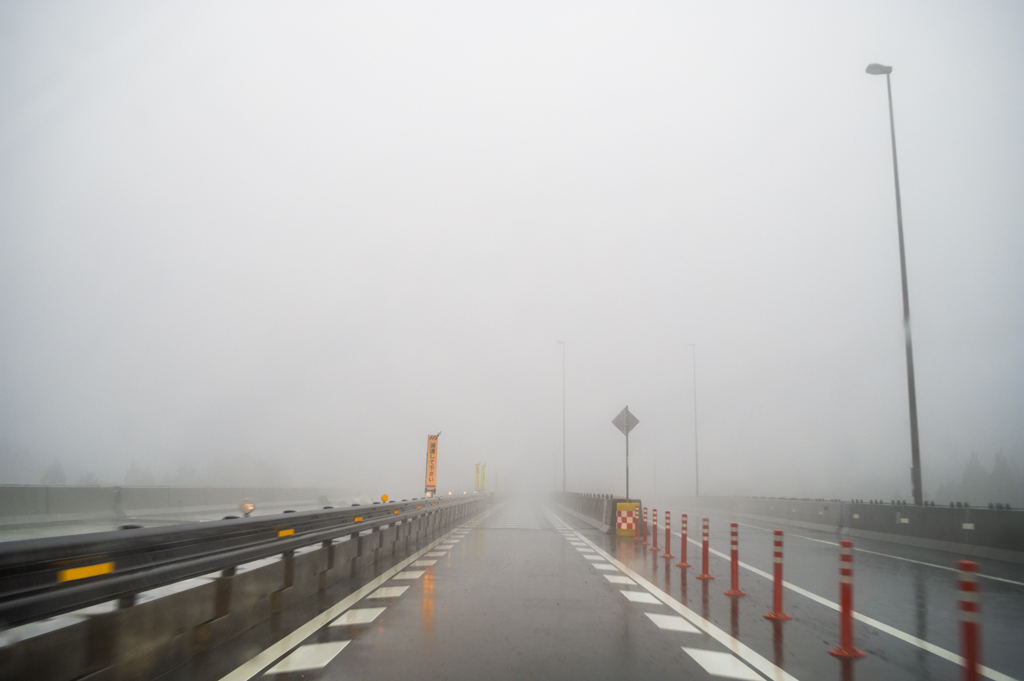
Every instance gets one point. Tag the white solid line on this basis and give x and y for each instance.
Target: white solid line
(870, 621)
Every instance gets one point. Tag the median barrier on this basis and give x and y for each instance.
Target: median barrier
(27, 505)
(597, 510)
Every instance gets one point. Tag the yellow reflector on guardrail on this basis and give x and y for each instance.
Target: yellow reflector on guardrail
(83, 572)
(358, 519)
(396, 512)
(285, 533)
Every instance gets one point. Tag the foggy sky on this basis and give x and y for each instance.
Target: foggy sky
(309, 234)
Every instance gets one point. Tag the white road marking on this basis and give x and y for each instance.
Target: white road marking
(745, 652)
(672, 623)
(605, 566)
(619, 579)
(870, 621)
(409, 574)
(255, 665)
(639, 596)
(722, 664)
(435, 554)
(312, 656)
(357, 616)
(591, 556)
(423, 563)
(388, 592)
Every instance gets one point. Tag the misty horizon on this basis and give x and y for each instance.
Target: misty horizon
(286, 243)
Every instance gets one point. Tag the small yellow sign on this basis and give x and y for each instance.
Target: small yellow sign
(384, 497)
(626, 519)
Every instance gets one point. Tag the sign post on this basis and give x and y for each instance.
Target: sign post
(626, 422)
(431, 486)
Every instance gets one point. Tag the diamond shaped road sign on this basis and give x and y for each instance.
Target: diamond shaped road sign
(625, 421)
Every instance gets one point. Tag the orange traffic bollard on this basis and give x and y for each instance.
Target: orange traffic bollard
(654, 530)
(704, 573)
(668, 537)
(845, 648)
(734, 539)
(776, 613)
(682, 550)
(970, 620)
(644, 542)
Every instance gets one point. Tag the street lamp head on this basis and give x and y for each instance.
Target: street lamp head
(878, 70)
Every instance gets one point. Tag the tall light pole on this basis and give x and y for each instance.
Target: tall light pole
(915, 450)
(562, 343)
(696, 457)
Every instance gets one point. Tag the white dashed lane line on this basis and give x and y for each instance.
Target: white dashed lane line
(388, 592)
(639, 596)
(309, 657)
(357, 616)
(672, 623)
(722, 664)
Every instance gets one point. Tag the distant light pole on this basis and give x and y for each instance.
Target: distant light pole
(696, 457)
(562, 343)
(915, 450)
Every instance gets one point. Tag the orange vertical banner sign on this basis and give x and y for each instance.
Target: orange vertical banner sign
(431, 465)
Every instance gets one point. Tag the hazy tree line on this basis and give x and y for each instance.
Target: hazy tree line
(979, 485)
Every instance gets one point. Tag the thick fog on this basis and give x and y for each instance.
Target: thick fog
(280, 243)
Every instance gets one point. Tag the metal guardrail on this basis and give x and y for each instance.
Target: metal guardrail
(41, 578)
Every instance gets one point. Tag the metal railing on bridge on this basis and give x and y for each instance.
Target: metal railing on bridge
(41, 578)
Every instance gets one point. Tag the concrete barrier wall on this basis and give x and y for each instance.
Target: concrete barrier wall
(165, 627)
(597, 509)
(37, 503)
(977, 532)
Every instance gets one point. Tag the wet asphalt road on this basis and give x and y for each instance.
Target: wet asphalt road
(530, 592)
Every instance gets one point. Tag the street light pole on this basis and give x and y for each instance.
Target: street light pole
(915, 450)
(562, 343)
(696, 457)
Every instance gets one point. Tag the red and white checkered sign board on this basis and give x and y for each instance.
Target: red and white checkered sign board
(625, 520)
